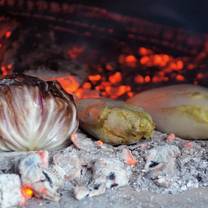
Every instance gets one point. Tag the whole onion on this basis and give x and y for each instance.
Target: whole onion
(34, 114)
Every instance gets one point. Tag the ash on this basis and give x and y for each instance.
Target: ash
(87, 168)
(189, 171)
(163, 165)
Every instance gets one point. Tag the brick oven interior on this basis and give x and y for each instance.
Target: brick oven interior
(114, 50)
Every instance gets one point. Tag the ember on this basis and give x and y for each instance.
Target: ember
(27, 192)
(150, 69)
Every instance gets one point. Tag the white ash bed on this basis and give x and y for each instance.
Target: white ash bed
(99, 173)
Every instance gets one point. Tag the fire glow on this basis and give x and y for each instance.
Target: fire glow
(128, 74)
(112, 80)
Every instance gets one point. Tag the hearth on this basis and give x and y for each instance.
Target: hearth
(112, 50)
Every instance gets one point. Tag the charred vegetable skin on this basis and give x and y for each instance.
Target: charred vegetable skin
(34, 114)
(114, 122)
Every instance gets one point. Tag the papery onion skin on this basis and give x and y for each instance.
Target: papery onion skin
(114, 122)
(180, 109)
(34, 114)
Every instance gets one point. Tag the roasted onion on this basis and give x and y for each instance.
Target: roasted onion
(34, 114)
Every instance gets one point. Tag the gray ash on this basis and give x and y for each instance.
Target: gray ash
(190, 170)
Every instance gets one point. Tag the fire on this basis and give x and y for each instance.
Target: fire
(144, 51)
(69, 83)
(128, 60)
(94, 78)
(109, 82)
(115, 78)
(180, 77)
(130, 71)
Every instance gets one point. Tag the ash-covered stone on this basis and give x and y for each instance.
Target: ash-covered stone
(10, 191)
(70, 162)
(162, 165)
(92, 168)
(160, 160)
(36, 174)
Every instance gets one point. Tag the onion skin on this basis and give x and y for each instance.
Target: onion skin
(114, 122)
(180, 109)
(34, 114)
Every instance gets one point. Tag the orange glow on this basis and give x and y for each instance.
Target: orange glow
(180, 77)
(94, 78)
(144, 60)
(130, 94)
(87, 85)
(144, 51)
(129, 60)
(157, 60)
(69, 83)
(27, 192)
(139, 79)
(115, 78)
(87, 93)
(179, 65)
(129, 158)
(99, 143)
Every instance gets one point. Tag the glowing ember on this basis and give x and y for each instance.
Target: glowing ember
(117, 80)
(95, 78)
(121, 74)
(69, 83)
(27, 192)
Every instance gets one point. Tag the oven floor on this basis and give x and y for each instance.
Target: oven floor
(126, 197)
